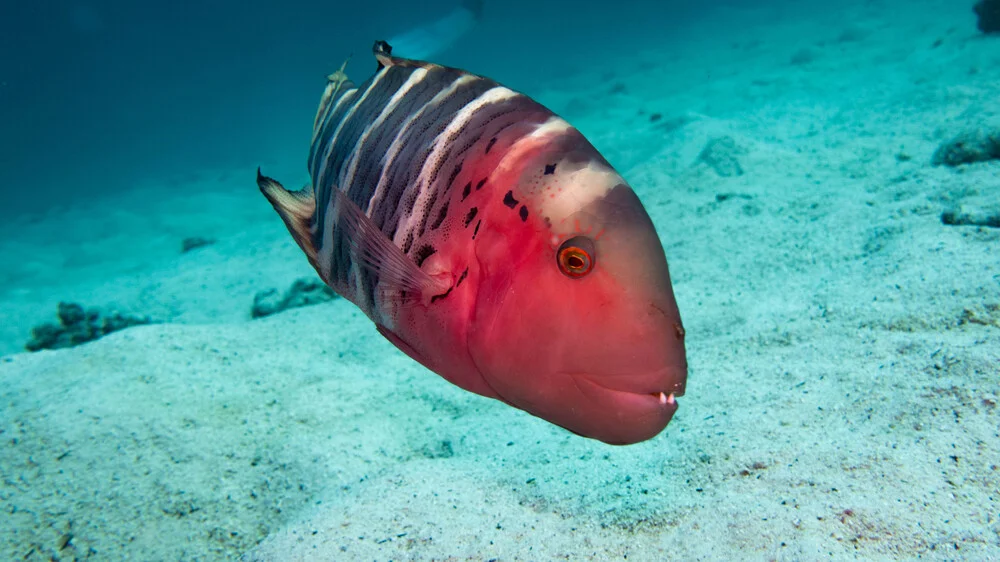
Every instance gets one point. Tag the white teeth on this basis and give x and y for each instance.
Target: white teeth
(670, 399)
(663, 398)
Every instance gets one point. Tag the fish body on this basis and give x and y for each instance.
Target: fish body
(489, 240)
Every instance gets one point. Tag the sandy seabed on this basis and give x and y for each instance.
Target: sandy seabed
(844, 342)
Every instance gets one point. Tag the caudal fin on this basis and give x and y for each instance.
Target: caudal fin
(296, 208)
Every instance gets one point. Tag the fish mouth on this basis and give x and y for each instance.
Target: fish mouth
(665, 394)
(665, 398)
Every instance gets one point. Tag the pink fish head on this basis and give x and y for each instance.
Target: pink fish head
(575, 320)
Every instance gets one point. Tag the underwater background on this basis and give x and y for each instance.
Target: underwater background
(175, 384)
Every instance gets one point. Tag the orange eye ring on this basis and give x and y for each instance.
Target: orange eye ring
(576, 257)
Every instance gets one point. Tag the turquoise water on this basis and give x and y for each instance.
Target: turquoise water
(821, 177)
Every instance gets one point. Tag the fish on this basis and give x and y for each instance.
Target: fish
(490, 241)
(432, 38)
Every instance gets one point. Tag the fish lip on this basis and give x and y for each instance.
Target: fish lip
(671, 394)
(675, 390)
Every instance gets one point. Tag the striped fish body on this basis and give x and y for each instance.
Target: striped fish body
(488, 240)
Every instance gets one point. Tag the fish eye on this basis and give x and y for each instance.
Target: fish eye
(576, 257)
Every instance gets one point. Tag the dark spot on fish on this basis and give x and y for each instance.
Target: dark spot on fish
(524, 213)
(441, 215)
(550, 169)
(509, 200)
(480, 184)
(462, 277)
(471, 215)
(454, 173)
(408, 243)
(436, 298)
(476, 231)
(490, 144)
(466, 190)
(382, 47)
(423, 253)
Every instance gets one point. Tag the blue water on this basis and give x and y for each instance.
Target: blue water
(98, 96)
(840, 289)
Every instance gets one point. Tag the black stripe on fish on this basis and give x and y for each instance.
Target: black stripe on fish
(466, 190)
(470, 215)
(442, 213)
(436, 298)
(408, 243)
(385, 137)
(476, 231)
(498, 114)
(454, 173)
(338, 108)
(363, 144)
(423, 253)
(464, 137)
(375, 95)
(415, 146)
(523, 212)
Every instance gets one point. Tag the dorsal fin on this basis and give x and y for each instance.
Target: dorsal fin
(339, 76)
(383, 54)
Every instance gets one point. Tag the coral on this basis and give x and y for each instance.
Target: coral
(975, 145)
(78, 325)
(303, 292)
(720, 154)
(964, 216)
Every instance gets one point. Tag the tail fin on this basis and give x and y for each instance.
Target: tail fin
(296, 208)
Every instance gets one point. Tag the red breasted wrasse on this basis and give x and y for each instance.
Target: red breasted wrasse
(490, 241)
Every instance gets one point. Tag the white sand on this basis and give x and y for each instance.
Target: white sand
(844, 343)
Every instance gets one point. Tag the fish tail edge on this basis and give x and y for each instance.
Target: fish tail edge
(296, 209)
